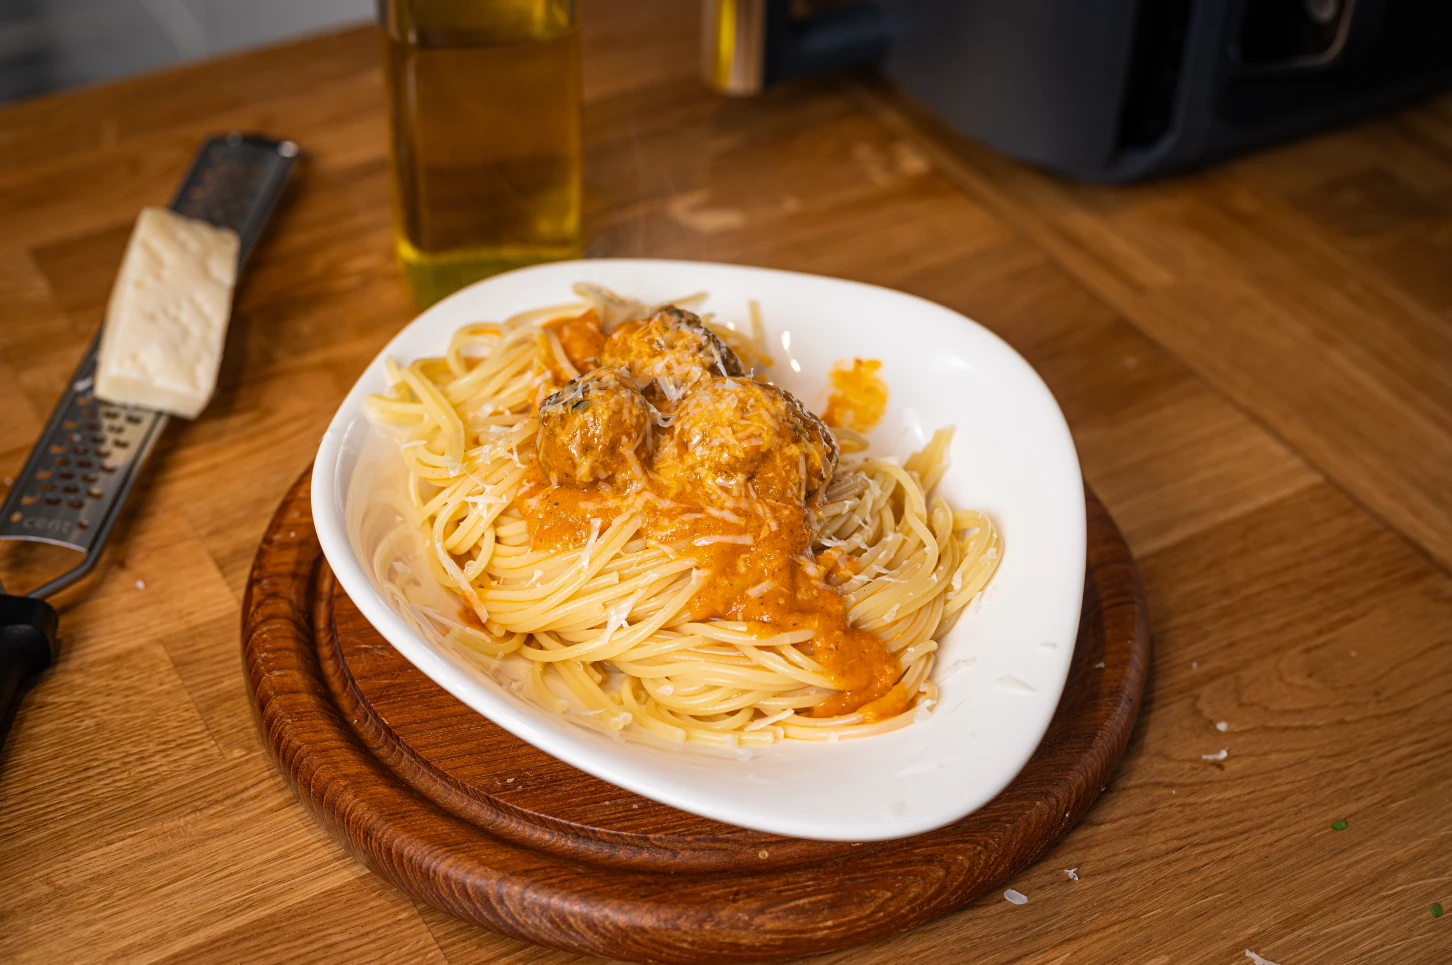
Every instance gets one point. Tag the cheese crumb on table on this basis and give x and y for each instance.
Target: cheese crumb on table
(166, 321)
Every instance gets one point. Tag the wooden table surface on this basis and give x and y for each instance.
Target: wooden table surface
(1256, 363)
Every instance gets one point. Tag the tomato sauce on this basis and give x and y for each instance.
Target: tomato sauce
(857, 399)
(756, 552)
(774, 583)
(581, 337)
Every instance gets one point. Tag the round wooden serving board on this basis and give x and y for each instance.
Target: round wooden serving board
(472, 820)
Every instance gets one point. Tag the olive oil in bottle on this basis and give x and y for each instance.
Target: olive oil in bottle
(484, 104)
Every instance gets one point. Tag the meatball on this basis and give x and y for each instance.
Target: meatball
(667, 354)
(594, 427)
(737, 432)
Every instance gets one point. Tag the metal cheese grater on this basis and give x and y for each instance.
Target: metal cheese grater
(91, 453)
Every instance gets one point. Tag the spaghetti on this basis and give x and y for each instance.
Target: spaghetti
(672, 547)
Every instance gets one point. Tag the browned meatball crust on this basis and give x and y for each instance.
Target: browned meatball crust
(593, 428)
(668, 354)
(750, 437)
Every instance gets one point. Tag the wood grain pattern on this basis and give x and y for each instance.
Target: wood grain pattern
(473, 821)
(142, 820)
(1317, 252)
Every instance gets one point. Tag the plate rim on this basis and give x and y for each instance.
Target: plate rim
(329, 509)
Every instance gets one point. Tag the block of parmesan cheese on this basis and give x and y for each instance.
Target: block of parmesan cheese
(166, 321)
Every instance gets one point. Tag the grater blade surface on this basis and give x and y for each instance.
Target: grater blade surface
(72, 487)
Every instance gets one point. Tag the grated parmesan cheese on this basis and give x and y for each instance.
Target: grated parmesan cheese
(761, 722)
(615, 619)
(742, 540)
(958, 666)
(590, 544)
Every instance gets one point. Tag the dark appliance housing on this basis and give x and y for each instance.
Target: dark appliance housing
(1117, 90)
(1109, 90)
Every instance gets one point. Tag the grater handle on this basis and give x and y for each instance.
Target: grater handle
(27, 646)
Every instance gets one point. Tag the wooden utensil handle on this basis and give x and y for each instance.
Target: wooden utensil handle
(27, 646)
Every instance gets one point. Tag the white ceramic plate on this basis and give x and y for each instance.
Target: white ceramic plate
(1000, 670)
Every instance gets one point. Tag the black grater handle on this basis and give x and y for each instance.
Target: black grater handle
(27, 646)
